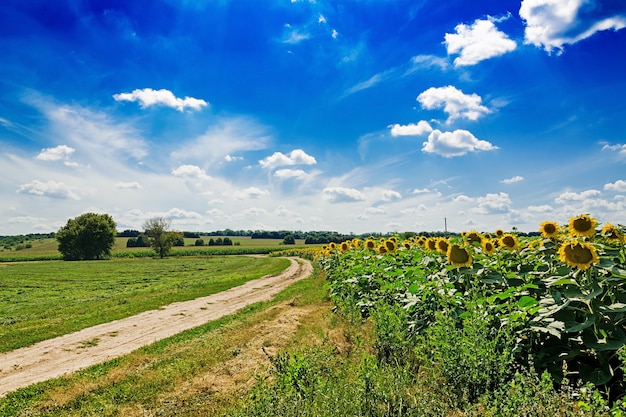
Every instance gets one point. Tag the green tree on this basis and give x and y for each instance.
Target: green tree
(88, 236)
(160, 237)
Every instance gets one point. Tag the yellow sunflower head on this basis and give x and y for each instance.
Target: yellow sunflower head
(612, 233)
(549, 229)
(344, 247)
(578, 255)
(332, 246)
(509, 241)
(499, 233)
(488, 247)
(459, 256)
(473, 236)
(421, 241)
(582, 225)
(356, 242)
(442, 245)
(431, 243)
(407, 244)
(382, 249)
(390, 245)
(370, 244)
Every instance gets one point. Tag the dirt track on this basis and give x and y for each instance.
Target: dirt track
(70, 353)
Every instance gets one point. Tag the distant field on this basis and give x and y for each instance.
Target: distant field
(44, 247)
(43, 299)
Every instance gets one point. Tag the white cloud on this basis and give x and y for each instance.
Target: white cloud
(389, 195)
(493, 203)
(190, 171)
(290, 173)
(342, 195)
(544, 208)
(454, 102)
(251, 192)
(475, 43)
(620, 149)
(58, 153)
(421, 191)
(296, 157)
(420, 62)
(456, 143)
(553, 23)
(230, 158)
(571, 196)
(49, 189)
(619, 185)
(462, 198)
(411, 129)
(148, 97)
(294, 37)
(128, 185)
(375, 210)
(512, 180)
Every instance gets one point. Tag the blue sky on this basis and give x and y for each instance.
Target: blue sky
(353, 116)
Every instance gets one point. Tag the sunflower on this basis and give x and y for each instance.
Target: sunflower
(473, 236)
(549, 229)
(582, 225)
(431, 243)
(332, 246)
(407, 244)
(442, 245)
(488, 247)
(612, 233)
(390, 245)
(356, 242)
(382, 249)
(509, 241)
(459, 256)
(370, 244)
(345, 246)
(578, 254)
(421, 241)
(499, 233)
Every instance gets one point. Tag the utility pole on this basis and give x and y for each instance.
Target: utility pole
(445, 224)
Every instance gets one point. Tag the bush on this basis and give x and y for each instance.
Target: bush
(88, 236)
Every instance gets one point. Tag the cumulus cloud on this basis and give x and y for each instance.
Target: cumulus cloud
(342, 195)
(296, 157)
(251, 192)
(148, 97)
(290, 173)
(49, 189)
(544, 208)
(456, 143)
(421, 191)
(454, 102)
(512, 180)
(411, 129)
(190, 171)
(493, 203)
(619, 185)
(58, 153)
(571, 196)
(553, 23)
(477, 42)
(389, 195)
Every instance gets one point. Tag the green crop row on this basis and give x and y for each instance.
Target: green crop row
(556, 303)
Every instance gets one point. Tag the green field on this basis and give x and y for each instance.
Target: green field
(43, 299)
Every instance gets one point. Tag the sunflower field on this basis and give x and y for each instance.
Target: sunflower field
(555, 304)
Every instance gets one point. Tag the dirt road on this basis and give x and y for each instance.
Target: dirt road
(70, 353)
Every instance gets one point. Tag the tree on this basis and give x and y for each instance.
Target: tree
(160, 238)
(88, 236)
(289, 240)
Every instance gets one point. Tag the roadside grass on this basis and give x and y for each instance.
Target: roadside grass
(203, 371)
(44, 299)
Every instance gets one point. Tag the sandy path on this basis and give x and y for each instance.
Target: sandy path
(65, 354)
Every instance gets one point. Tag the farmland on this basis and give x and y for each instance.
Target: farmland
(480, 324)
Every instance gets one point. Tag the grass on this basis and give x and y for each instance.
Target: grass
(202, 371)
(44, 299)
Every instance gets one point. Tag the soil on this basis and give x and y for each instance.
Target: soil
(69, 353)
